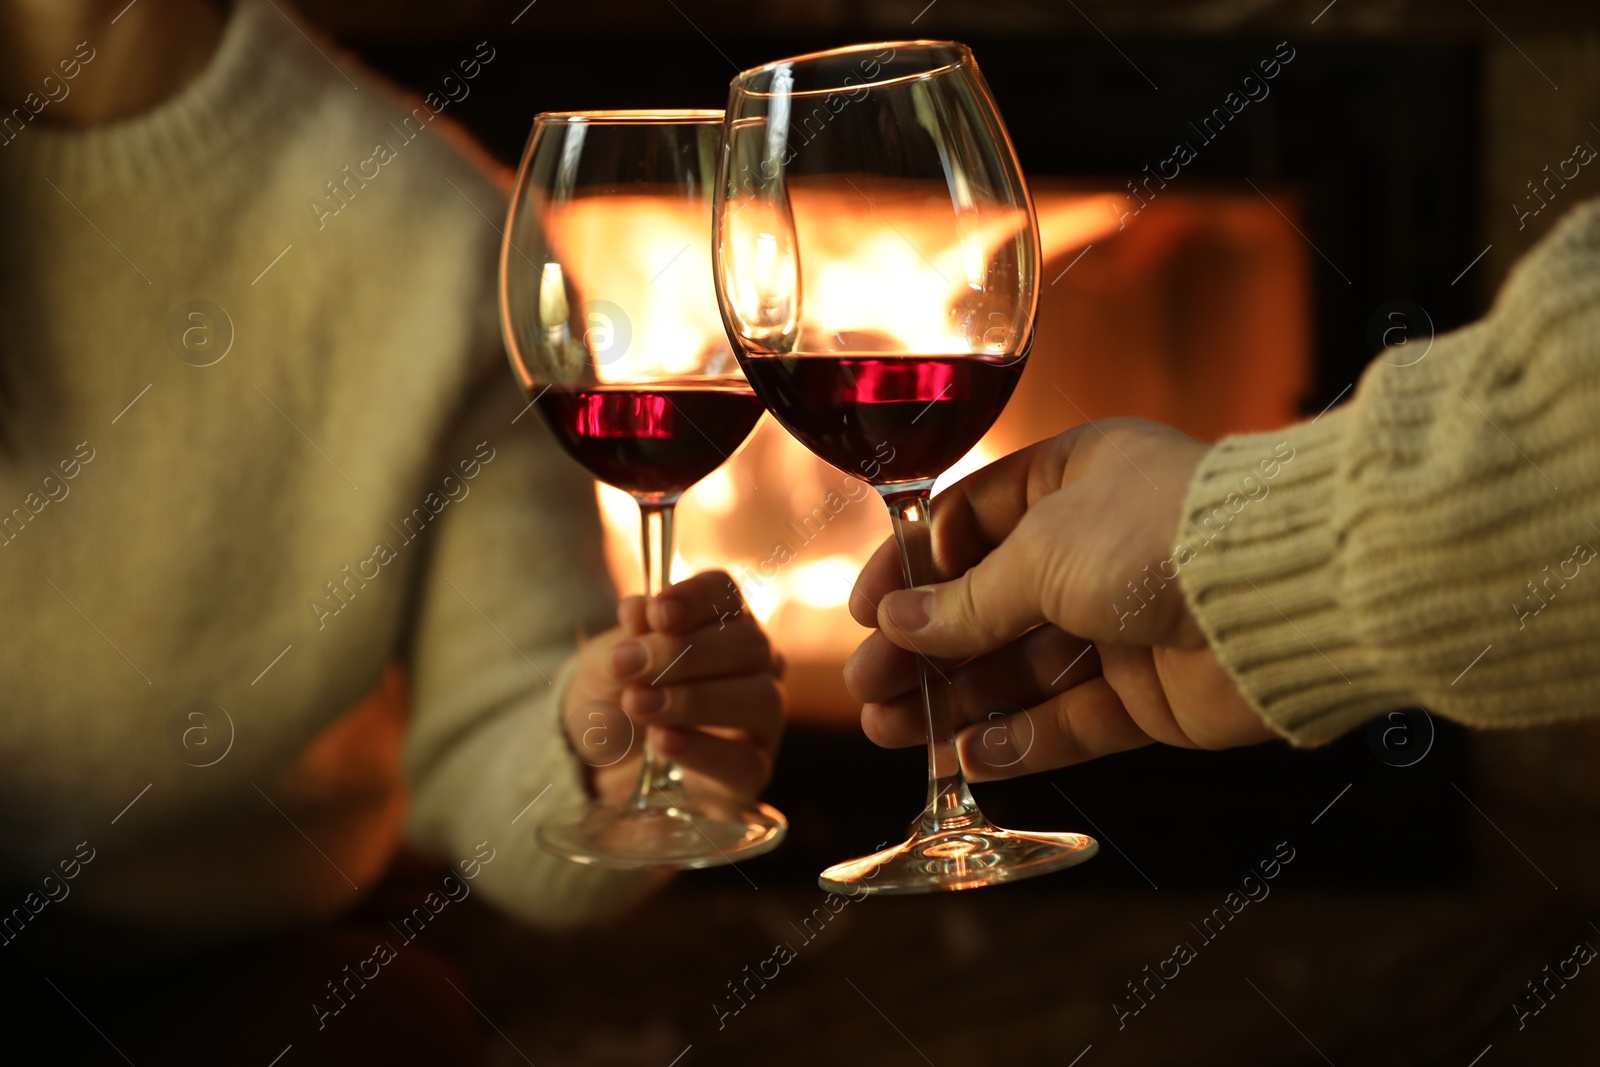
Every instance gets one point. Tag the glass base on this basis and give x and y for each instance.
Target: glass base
(685, 835)
(967, 858)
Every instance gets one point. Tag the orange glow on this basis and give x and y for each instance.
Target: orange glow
(883, 281)
(1196, 314)
(896, 274)
(1067, 223)
(662, 288)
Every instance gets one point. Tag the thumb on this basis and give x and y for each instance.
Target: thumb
(987, 607)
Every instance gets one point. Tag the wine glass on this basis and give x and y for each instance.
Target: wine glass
(612, 326)
(876, 259)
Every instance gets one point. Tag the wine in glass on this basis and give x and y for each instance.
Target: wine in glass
(876, 261)
(613, 330)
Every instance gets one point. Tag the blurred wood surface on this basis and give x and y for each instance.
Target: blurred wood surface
(1016, 977)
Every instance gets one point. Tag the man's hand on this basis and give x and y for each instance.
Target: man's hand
(1064, 663)
(693, 668)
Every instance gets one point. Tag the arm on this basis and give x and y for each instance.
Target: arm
(1446, 514)
(1302, 580)
(514, 576)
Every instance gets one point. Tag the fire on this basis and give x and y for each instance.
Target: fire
(891, 286)
(655, 305)
(1067, 223)
(883, 272)
(766, 516)
(899, 278)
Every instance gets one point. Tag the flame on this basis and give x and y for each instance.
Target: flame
(656, 304)
(884, 272)
(826, 582)
(716, 492)
(895, 285)
(1067, 223)
(893, 273)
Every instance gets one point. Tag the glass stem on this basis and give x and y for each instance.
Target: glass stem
(950, 805)
(660, 780)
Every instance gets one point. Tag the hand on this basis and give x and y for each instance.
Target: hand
(694, 669)
(1038, 550)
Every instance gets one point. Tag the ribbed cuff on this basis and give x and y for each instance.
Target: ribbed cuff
(1259, 559)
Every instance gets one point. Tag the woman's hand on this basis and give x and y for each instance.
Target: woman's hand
(694, 669)
(1063, 663)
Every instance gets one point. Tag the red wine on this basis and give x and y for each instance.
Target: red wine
(654, 440)
(896, 419)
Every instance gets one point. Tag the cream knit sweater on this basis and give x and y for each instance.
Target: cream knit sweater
(348, 485)
(1432, 542)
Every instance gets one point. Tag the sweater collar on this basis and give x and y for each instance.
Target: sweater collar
(260, 64)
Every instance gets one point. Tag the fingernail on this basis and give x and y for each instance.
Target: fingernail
(910, 609)
(672, 612)
(628, 659)
(647, 702)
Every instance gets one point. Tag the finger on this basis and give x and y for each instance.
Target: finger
(881, 574)
(899, 724)
(1085, 722)
(752, 703)
(984, 608)
(739, 767)
(631, 614)
(879, 670)
(709, 652)
(1131, 671)
(1042, 663)
(708, 597)
(1026, 670)
(1206, 701)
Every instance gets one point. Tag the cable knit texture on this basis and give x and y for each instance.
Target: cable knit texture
(219, 537)
(1432, 542)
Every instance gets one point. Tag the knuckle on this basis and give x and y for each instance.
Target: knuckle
(1067, 747)
(656, 647)
(668, 653)
(716, 583)
(1050, 565)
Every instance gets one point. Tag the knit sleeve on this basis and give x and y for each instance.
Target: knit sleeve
(1431, 542)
